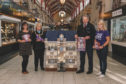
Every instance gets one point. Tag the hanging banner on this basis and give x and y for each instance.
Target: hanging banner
(77, 10)
(38, 2)
(81, 6)
(86, 2)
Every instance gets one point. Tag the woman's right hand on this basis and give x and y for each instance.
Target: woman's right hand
(23, 41)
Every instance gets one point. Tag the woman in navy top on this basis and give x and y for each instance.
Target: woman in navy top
(102, 39)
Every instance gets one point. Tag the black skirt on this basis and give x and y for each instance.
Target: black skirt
(25, 49)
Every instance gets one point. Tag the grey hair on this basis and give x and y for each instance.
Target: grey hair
(85, 16)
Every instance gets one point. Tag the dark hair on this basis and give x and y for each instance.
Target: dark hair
(24, 23)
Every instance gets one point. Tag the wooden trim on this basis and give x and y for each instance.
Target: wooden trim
(71, 69)
(50, 69)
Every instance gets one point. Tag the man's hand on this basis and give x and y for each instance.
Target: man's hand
(76, 36)
(38, 40)
(87, 37)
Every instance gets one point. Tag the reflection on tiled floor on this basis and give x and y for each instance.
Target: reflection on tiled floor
(10, 73)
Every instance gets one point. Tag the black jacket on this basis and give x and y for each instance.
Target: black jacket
(89, 30)
(38, 45)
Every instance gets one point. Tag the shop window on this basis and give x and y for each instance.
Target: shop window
(118, 31)
(8, 32)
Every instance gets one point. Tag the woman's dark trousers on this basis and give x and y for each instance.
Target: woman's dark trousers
(25, 63)
(39, 56)
(102, 55)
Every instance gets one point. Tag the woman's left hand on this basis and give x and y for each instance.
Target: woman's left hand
(100, 47)
(43, 41)
(29, 40)
(94, 46)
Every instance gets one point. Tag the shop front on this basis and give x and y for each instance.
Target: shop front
(31, 26)
(118, 33)
(9, 27)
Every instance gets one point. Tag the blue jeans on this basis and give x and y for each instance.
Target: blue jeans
(102, 55)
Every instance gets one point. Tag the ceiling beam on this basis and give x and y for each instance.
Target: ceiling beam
(53, 3)
(55, 8)
(71, 3)
(55, 12)
(47, 2)
(67, 10)
(71, 7)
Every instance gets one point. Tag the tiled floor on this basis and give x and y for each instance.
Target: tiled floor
(10, 73)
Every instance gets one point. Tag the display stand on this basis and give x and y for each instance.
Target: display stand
(61, 55)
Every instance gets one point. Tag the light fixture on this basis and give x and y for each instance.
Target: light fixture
(62, 14)
(62, 20)
(62, 1)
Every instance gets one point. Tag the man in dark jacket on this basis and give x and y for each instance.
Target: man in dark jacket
(38, 46)
(86, 30)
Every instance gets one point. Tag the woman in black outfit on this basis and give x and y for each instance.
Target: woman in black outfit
(38, 46)
(24, 39)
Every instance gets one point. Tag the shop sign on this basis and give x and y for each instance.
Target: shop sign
(117, 13)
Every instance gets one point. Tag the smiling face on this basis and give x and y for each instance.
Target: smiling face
(38, 27)
(85, 19)
(25, 27)
(100, 26)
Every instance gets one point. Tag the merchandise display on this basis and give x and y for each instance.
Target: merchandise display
(8, 32)
(61, 54)
(118, 31)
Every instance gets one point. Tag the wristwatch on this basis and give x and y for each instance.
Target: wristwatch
(103, 46)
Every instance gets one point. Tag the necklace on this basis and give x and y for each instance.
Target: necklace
(39, 34)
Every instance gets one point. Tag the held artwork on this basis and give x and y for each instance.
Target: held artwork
(81, 44)
(26, 37)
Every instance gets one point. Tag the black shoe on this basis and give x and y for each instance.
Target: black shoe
(42, 69)
(36, 69)
(80, 71)
(89, 72)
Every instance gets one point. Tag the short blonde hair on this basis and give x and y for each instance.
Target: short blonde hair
(101, 22)
(38, 23)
